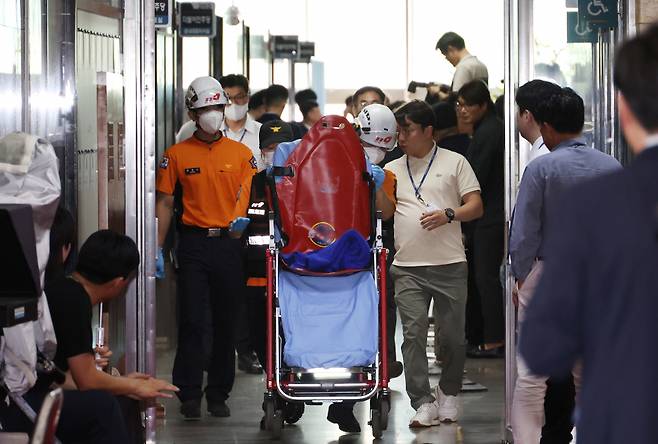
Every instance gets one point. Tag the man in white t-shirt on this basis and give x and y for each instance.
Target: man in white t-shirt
(437, 189)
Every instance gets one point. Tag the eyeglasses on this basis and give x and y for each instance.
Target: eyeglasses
(406, 131)
(462, 106)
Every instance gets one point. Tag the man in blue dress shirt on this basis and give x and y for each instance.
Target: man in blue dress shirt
(598, 298)
(538, 208)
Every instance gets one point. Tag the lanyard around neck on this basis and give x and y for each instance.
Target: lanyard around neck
(244, 131)
(422, 181)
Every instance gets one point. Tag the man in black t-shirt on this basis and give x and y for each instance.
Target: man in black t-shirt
(90, 413)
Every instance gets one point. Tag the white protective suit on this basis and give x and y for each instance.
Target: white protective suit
(29, 175)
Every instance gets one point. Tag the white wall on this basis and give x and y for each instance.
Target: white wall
(365, 41)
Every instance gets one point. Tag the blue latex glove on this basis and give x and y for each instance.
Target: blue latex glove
(239, 224)
(159, 265)
(378, 176)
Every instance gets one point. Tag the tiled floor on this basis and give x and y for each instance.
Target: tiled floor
(480, 422)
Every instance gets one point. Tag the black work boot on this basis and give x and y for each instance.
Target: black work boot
(343, 416)
(218, 409)
(191, 409)
(248, 363)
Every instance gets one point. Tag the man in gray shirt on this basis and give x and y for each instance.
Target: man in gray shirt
(538, 209)
(467, 66)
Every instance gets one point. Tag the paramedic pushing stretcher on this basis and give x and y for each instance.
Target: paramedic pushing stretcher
(258, 234)
(215, 175)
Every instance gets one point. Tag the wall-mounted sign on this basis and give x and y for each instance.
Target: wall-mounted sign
(196, 20)
(284, 46)
(599, 13)
(579, 29)
(306, 51)
(162, 13)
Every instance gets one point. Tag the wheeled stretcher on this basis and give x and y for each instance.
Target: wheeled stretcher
(326, 280)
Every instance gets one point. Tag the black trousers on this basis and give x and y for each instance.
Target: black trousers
(391, 307)
(212, 268)
(559, 403)
(242, 327)
(257, 318)
(87, 417)
(488, 251)
(474, 321)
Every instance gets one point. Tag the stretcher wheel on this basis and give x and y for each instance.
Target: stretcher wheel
(277, 424)
(293, 412)
(384, 408)
(269, 414)
(376, 423)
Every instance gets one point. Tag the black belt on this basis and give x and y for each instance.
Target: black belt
(207, 232)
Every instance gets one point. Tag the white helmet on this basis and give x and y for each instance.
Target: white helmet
(378, 126)
(205, 91)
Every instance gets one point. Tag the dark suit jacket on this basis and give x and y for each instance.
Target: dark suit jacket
(486, 154)
(598, 301)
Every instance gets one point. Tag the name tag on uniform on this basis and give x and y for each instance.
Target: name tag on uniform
(190, 171)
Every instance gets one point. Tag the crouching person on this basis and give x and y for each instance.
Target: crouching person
(97, 407)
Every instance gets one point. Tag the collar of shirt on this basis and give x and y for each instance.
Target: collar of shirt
(249, 125)
(578, 141)
(537, 144)
(421, 162)
(470, 56)
(487, 116)
(652, 141)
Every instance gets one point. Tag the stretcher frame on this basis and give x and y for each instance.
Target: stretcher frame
(357, 384)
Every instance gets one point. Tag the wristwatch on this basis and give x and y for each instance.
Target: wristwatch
(450, 214)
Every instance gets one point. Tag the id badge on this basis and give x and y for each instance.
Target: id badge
(430, 207)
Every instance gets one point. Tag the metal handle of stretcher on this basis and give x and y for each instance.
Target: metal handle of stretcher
(273, 375)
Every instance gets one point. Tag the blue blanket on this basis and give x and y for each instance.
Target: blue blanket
(349, 252)
(329, 321)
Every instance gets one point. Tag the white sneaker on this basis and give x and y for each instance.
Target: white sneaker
(427, 415)
(447, 405)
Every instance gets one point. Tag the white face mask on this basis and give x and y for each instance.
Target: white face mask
(211, 121)
(236, 112)
(268, 158)
(375, 155)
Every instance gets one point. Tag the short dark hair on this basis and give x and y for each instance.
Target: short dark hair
(450, 39)
(307, 106)
(416, 111)
(531, 94)
(257, 99)
(231, 80)
(395, 105)
(446, 116)
(305, 95)
(62, 233)
(564, 110)
(366, 89)
(107, 255)
(349, 100)
(636, 76)
(476, 92)
(275, 94)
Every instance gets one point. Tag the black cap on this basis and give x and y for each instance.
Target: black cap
(446, 116)
(275, 131)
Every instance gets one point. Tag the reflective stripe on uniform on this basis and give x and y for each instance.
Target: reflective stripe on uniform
(259, 240)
